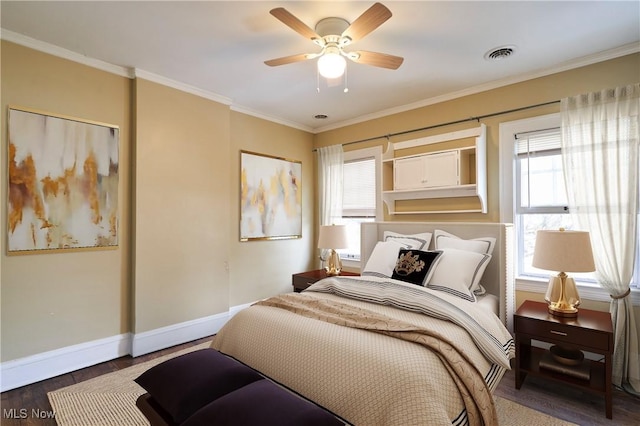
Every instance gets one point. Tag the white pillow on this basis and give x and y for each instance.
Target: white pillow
(382, 260)
(444, 240)
(480, 291)
(412, 241)
(459, 272)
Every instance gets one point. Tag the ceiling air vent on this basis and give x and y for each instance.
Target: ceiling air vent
(499, 53)
(321, 116)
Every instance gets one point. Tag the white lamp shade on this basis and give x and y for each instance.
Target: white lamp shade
(333, 237)
(331, 65)
(563, 251)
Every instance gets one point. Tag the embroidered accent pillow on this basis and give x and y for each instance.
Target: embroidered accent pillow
(415, 266)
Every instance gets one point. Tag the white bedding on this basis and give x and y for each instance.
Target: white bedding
(490, 302)
(370, 375)
(484, 327)
(498, 278)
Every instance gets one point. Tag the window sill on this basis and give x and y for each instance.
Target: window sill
(351, 264)
(588, 292)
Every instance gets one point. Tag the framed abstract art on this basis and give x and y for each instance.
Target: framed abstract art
(270, 197)
(62, 183)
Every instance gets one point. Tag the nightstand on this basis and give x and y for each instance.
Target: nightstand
(591, 331)
(305, 279)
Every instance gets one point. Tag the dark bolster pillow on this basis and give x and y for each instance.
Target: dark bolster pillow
(184, 384)
(262, 403)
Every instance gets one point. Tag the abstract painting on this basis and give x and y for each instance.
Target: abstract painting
(63, 183)
(270, 197)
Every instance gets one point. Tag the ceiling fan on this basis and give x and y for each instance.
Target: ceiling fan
(333, 35)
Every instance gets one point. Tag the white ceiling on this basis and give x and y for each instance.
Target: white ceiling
(217, 48)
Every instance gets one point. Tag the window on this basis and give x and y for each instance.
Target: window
(361, 178)
(540, 198)
(533, 196)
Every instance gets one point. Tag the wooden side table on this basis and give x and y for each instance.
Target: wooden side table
(305, 279)
(591, 331)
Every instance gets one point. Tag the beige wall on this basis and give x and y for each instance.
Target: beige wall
(50, 301)
(179, 257)
(182, 190)
(262, 268)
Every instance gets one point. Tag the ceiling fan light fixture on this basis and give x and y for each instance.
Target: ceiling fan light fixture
(332, 35)
(345, 40)
(331, 65)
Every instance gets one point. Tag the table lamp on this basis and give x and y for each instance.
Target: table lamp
(563, 251)
(333, 237)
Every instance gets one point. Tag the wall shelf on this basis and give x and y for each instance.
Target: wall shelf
(450, 165)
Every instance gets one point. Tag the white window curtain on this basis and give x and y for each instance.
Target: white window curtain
(330, 166)
(600, 149)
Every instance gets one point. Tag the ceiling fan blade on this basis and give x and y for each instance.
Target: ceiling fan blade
(371, 19)
(294, 23)
(381, 60)
(291, 59)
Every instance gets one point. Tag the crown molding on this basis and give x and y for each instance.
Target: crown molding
(627, 49)
(105, 66)
(51, 49)
(277, 120)
(41, 46)
(146, 75)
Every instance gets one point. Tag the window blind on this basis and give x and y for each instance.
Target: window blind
(539, 141)
(359, 188)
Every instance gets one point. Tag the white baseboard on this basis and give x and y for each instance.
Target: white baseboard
(176, 334)
(235, 309)
(34, 368)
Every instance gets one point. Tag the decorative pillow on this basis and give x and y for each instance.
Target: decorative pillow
(480, 291)
(479, 245)
(184, 384)
(414, 241)
(415, 266)
(459, 272)
(382, 260)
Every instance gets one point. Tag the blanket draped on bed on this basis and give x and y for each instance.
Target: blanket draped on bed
(377, 351)
(486, 330)
(474, 390)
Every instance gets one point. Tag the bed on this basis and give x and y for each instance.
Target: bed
(379, 349)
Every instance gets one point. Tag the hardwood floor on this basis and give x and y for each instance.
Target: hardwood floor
(23, 406)
(20, 407)
(570, 404)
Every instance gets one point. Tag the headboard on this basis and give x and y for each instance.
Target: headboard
(498, 278)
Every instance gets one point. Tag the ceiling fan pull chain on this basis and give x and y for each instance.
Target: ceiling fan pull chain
(317, 80)
(346, 82)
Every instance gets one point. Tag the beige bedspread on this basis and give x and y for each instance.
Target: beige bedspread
(371, 364)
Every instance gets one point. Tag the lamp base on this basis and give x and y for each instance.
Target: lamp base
(558, 310)
(334, 264)
(562, 296)
(332, 272)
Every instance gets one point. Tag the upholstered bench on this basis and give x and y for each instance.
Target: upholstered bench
(205, 387)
